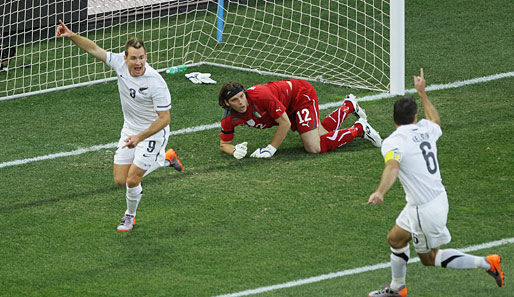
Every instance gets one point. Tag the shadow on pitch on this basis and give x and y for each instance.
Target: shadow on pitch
(287, 154)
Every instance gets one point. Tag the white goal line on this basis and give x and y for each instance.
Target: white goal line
(437, 87)
(355, 271)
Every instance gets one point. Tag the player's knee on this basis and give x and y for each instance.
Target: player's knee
(133, 181)
(395, 241)
(312, 149)
(119, 182)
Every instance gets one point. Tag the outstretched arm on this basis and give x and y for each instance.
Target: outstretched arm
(430, 112)
(82, 42)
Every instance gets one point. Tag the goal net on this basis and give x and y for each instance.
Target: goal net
(345, 42)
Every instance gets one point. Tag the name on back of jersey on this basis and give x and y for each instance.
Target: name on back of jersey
(421, 137)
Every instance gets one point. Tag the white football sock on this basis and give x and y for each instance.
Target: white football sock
(452, 258)
(133, 197)
(154, 166)
(399, 259)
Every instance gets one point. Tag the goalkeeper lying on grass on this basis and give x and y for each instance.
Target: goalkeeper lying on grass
(290, 104)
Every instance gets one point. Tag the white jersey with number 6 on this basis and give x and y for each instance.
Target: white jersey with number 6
(414, 146)
(140, 96)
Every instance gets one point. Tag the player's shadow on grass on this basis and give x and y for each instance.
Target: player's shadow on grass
(116, 191)
(287, 154)
(68, 196)
(299, 153)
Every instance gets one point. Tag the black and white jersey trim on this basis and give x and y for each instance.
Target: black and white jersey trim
(164, 106)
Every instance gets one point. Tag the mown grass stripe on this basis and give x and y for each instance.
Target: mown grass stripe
(353, 271)
(380, 96)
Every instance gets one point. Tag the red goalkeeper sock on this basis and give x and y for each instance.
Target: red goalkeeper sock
(334, 120)
(337, 138)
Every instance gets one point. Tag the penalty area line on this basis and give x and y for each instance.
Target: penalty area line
(99, 147)
(380, 96)
(353, 271)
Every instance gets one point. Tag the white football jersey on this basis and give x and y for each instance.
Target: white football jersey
(414, 146)
(140, 96)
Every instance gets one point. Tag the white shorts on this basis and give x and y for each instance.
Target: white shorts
(146, 153)
(426, 223)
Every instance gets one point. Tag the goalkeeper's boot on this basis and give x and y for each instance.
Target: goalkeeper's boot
(369, 133)
(495, 270)
(172, 157)
(358, 111)
(127, 223)
(388, 292)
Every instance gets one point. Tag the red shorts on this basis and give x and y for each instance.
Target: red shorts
(304, 115)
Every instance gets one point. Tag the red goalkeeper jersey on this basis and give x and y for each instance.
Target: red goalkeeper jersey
(267, 103)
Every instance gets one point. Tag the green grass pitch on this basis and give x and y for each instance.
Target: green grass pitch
(224, 226)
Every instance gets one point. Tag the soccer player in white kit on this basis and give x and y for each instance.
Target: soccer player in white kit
(410, 153)
(146, 103)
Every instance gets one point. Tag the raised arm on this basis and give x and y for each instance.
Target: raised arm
(431, 113)
(82, 42)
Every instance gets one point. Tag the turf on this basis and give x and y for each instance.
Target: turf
(223, 225)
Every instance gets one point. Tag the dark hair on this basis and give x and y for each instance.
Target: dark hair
(405, 109)
(135, 43)
(226, 90)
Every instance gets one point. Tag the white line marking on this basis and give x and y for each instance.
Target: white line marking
(439, 87)
(59, 155)
(354, 271)
(100, 147)
(456, 84)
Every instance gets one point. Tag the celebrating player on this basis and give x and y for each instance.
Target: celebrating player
(410, 153)
(146, 103)
(290, 104)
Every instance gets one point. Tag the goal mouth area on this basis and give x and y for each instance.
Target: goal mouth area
(345, 44)
(319, 78)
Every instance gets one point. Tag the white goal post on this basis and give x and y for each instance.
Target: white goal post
(352, 43)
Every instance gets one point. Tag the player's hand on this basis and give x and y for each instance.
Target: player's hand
(419, 81)
(240, 150)
(62, 30)
(266, 152)
(131, 141)
(376, 198)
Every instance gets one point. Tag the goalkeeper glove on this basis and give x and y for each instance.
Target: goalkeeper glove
(266, 152)
(240, 150)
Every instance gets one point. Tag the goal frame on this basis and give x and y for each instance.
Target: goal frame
(396, 55)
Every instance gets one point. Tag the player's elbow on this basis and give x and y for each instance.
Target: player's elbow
(164, 117)
(286, 125)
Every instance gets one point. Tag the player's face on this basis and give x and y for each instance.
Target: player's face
(136, 60)
(238, 102)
